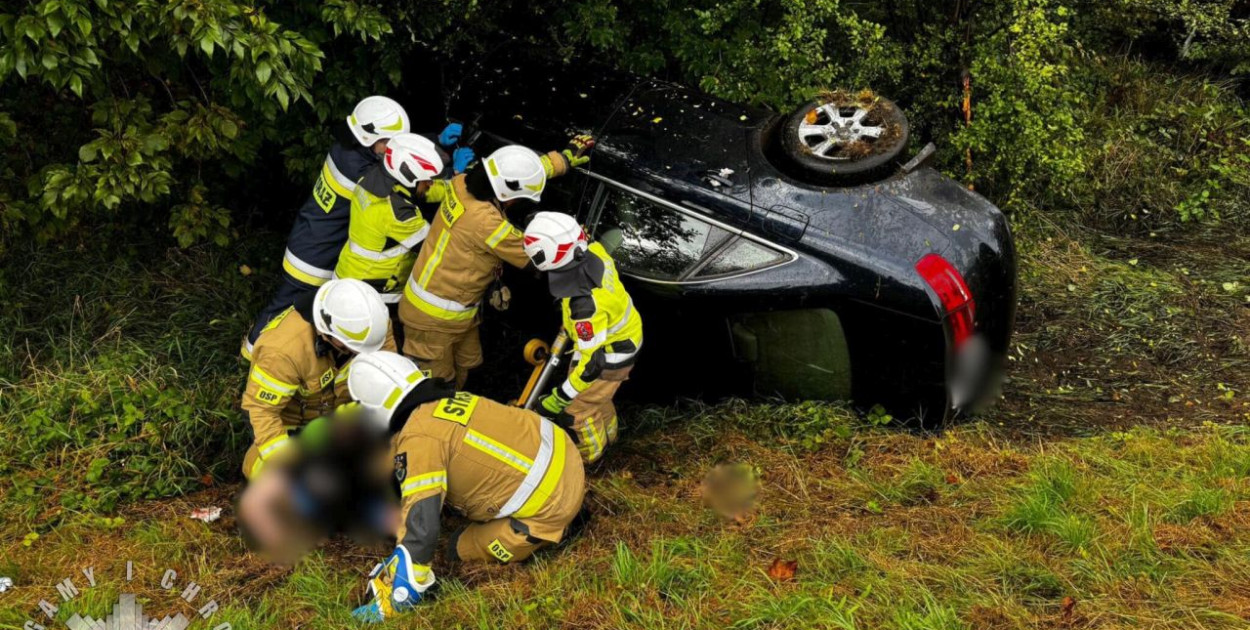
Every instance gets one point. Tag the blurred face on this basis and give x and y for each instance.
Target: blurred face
(379, 147)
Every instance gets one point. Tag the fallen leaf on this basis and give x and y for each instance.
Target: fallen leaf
(245, 270)
(1069, 604)
(783, 570)
(206, 480)
(952, 479)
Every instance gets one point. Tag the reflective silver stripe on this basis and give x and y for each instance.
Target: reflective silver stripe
(599, 339)
(312, 270)
(386, 254)
(484, 443)
(629, 310)
(425, 482)
(275, 385)
(568, 390)
(273, 445)
(535, 476)
(339, 177)
(615, 358)
(434, 300)
(415, 239)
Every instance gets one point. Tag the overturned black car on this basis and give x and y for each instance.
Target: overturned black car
(770, 255)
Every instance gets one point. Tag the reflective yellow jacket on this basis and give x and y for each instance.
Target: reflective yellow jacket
(603, 323)
(487, 461)
(468, 239)
(294, 379)
(384, 236)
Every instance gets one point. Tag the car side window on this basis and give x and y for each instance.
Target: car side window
(654, 241)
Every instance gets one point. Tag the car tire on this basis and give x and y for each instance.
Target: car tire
(843, 138)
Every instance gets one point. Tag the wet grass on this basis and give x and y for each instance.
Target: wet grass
(1147, 527)
(1111, 488)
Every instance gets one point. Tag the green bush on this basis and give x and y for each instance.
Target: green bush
(190, 100)
(1163, 148)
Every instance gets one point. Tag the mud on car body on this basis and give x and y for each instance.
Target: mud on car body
(770, 257)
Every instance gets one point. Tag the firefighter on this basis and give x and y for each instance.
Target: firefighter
(517, 476)
(300, 360)
(320, 227)
(599, 315)
(469, 237)
(386, 227)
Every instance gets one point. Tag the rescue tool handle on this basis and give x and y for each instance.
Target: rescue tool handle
(542, 375)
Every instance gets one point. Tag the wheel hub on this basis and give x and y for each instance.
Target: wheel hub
(828, 129)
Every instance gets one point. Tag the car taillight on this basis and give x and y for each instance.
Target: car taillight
(953, 292)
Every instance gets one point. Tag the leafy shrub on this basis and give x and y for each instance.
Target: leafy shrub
(117, 427)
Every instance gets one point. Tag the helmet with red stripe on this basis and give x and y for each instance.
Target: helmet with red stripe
(411, 159)
(553, 240)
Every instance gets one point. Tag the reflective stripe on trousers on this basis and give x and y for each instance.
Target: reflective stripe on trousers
(537, 471)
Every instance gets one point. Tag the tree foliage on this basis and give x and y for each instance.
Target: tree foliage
(123, 104)
(184, 113)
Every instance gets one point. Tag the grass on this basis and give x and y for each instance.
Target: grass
(1110, 488)
(1143, 527)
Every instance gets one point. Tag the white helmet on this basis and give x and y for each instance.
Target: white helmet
(515, 171)
(553, 239)
(380, 380)
(411, 159)
(352, 312)
(375, 118)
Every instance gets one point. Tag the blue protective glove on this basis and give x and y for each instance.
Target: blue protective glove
(394, 587)
(460, 159)
(450, 134)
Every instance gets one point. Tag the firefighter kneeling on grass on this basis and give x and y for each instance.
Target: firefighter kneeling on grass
(513, 473)
(300, 361)
(599, 315)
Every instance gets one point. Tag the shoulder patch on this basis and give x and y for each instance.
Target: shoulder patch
(581, 307)
(585, 330)
(401, 467)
